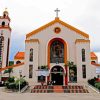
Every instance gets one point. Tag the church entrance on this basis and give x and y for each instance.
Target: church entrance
(57, 75)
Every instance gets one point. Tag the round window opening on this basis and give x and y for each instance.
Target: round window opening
(57, 30)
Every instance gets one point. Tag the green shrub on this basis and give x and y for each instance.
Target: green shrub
(11, 86)
(97, 85)
(11, 79)
(92, 82)
(14, 85)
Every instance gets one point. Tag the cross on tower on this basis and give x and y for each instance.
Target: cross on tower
(5, 9)
(57, 10)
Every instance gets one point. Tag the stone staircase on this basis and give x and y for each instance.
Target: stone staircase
(59, 89)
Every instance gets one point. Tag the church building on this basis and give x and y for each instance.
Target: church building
(56, 52)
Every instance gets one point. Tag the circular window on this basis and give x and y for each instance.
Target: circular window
(57, 30)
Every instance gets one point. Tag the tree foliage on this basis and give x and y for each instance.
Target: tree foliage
(9, 71)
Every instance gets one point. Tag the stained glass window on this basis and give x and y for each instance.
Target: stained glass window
(57, 52)
(84, 71)
(30, 71)
(83, 55)
(31, 55)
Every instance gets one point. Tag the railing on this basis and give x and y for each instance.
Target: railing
(94, 88)
(24, 88)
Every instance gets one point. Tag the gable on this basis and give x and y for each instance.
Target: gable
(57, 20)
(19, 55)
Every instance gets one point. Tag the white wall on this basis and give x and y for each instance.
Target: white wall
(47, 34)
(79, 47)
(35, 47)
(6, 35)
(68, 36)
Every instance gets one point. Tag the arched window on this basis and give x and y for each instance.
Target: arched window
(3, 23)
(83, 55)
(93, 62)
(4, 15)
(31, 55)
(18, 62)
(57, 52)
(1, 49)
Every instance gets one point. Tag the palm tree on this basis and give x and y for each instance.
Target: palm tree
(72, 69)
(70, 64)
(9, 71)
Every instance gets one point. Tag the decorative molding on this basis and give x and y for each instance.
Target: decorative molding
(57, 30)
(32, 40)
(57, 20)
(13, 66)
(82, 41)
(1, 17)
(5, 27)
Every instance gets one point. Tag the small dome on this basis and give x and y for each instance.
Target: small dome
(5, 13)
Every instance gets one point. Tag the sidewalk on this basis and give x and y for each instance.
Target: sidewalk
(49, 96)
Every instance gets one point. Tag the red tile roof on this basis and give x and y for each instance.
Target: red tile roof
(93, 56)
(95, 64)
(17, 65)
(19, 55)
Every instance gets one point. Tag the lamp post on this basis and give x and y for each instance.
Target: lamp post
(20, 72)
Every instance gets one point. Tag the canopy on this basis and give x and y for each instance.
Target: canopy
(42, 72)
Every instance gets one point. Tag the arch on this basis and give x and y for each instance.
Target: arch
(65, 49)
(93, 61)
(18, 62)
(57, 69)
(57, 75)
(3, 23)
(4, 15)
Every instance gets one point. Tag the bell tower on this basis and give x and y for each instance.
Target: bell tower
(5, 36)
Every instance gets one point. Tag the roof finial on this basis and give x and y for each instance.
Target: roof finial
(57, 10)
(5, 9)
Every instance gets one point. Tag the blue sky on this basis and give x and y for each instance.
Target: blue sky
(27, 15)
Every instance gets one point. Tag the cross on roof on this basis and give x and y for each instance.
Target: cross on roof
(57, 10)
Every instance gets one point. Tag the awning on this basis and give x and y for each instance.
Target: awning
(98, 70)
(42, 72)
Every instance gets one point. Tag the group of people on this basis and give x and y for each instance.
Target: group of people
(51, 82)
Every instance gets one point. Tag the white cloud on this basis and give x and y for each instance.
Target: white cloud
(27, 15)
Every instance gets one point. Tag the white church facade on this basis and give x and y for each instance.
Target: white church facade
(48, 50)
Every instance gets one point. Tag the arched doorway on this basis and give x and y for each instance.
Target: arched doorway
(57, 75)
(57, 53)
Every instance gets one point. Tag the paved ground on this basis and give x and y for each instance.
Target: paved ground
(57, 96)
(47, 96)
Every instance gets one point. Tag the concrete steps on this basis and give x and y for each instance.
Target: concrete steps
(59, 89)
